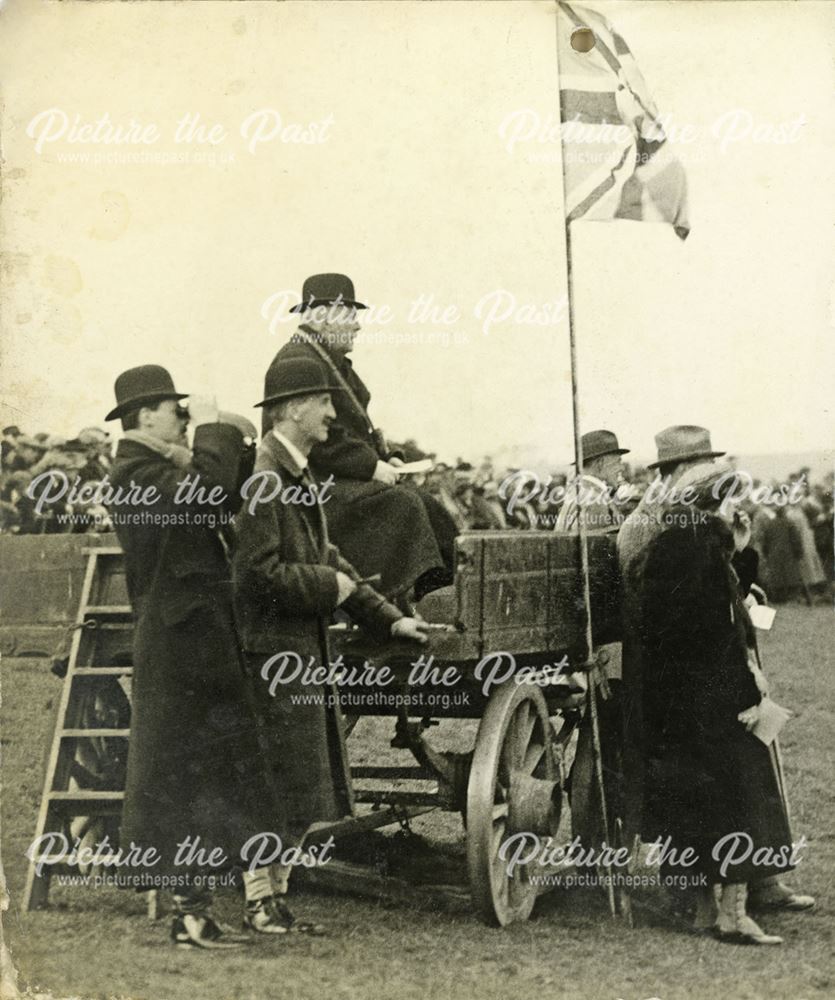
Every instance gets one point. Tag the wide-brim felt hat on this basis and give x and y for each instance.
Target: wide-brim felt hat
(683, 443)
(291, 377)
(140, 386)
(599, 443)
(327, 290)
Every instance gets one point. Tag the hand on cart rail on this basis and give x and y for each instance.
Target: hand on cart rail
(410, 628)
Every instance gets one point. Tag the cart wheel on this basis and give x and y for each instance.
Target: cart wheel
(513, 746)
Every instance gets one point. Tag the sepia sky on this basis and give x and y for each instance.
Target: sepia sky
(367, 138)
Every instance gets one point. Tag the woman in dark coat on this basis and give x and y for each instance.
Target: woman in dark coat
(707, 776)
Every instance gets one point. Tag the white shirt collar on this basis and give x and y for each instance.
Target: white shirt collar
(295, 454)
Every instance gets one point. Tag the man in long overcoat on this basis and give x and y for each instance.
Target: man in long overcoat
(194, 766)
(289, 579)
(404, 535)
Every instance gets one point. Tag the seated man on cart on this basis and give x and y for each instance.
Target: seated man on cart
(402, 534)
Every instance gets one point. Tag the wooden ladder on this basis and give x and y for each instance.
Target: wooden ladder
(75, 789)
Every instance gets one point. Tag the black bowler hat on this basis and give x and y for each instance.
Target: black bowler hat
(598, 443)
(139, 386)
(294, 377)
(327, 290)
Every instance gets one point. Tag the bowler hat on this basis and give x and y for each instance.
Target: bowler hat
(598, 443)
(683, 443)
(294, 377)
(139, 386)
(327, 290)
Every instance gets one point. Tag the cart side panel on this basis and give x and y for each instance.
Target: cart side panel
(521, 592)
(515, 589)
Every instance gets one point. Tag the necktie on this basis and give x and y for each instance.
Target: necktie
(319, 517)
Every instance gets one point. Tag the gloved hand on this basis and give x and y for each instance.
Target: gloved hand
(750, 717)
(386, 473)
(410, 628)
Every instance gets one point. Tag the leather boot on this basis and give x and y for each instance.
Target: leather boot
(734, 926)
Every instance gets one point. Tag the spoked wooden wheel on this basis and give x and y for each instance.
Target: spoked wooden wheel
(512, 789)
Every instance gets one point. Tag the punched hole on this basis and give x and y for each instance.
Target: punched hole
(582, 40)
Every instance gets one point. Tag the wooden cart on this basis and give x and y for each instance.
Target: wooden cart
(516, 610)
(515, 616)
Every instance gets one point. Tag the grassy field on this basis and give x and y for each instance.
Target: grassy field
(98, 943)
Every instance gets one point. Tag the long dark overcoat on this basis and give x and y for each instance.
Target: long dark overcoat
(194, 767)
(634, 539)
(285, 594)
(705, 775)
(395, 531)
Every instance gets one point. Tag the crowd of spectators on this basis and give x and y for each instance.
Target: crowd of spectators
(480, 497)
(88, 456)
(794, 542)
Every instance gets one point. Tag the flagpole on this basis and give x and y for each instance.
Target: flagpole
(590, 664)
